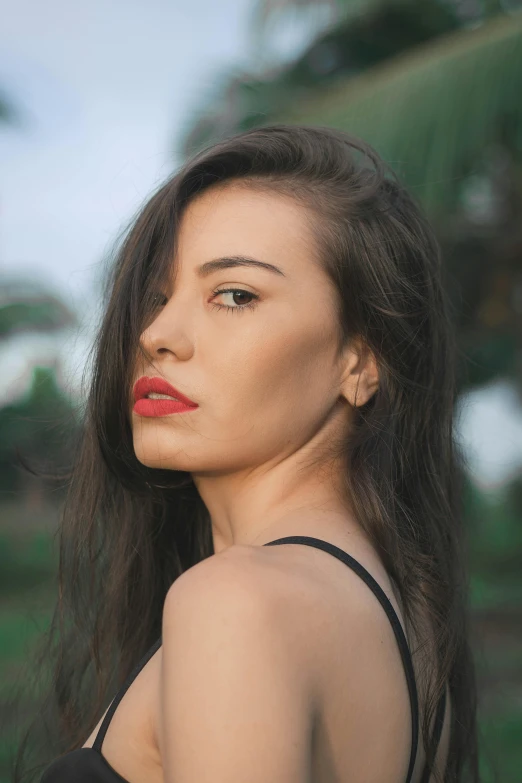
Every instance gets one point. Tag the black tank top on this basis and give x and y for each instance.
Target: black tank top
(88, 765)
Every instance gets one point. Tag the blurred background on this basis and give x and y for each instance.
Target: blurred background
(99, 102)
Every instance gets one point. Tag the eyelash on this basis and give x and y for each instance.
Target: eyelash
(237, 308)
(250, 305)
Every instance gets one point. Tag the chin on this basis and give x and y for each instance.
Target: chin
(164, 460)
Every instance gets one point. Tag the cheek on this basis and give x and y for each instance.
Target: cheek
(285, 377)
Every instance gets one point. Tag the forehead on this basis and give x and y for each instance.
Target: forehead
(236, 219)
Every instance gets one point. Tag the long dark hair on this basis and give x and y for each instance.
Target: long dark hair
(128, 531)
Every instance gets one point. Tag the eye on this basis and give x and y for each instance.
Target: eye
(236, 292)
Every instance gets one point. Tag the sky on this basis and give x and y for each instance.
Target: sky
(104, 90)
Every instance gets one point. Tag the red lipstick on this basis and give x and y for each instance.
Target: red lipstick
(145, 406)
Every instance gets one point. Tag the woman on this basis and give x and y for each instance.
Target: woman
(272, 401)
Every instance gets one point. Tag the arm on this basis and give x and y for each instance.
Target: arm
(235, 707)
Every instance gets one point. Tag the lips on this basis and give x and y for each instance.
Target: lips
(145, 385)
(144, 406)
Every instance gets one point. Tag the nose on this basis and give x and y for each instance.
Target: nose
(167, 333)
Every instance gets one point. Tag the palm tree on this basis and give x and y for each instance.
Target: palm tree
(410, 76)
(433, 108)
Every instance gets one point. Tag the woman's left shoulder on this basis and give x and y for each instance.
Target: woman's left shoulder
(240, 578)
(230, 673)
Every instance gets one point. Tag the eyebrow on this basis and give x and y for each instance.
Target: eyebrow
(230, 261)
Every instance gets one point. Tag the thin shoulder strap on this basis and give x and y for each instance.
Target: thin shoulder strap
(392, 616)
(98, 742)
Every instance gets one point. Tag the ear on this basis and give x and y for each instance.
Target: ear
(360, 378)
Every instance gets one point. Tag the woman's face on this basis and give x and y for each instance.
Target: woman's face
(266, 378)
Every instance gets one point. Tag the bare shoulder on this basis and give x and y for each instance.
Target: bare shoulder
(230, 676)
(235, 569)
(282, 586)
(310, 600)
(296, 644)
(244, 585)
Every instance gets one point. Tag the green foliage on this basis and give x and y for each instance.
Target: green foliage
(40, 426)
(18, 630)
(366, 33)
(347, 13)
(431, 112)
(25, 561)
(430, 103)
(489, 355)
(356, 44)
(495, 546)
(501, 758)
(29, 420)
(45, 315)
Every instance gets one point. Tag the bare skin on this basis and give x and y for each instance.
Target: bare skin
(272, 395)
(340, 641)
